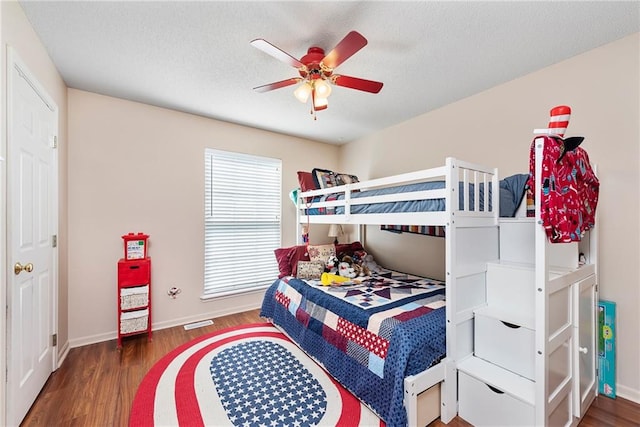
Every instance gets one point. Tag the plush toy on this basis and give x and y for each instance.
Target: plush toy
(358, 269)
(361, 270)
(332, 265)
(346, 270)
(369, 263)
(328, 279)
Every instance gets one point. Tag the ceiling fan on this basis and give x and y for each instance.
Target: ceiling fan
(316, 71)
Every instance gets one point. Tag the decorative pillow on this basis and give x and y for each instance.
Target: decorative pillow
(348, 248)
(283, 256)
(311, 270)
(297, 253)
(344, 178)
(323, 178)
(306, 181)
(321, 252)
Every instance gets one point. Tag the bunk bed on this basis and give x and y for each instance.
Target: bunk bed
(534, 348)
(485, 254)
(456, 199)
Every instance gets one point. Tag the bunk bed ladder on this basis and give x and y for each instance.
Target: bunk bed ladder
(554, 339)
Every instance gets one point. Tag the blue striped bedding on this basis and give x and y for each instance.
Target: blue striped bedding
(512, 190)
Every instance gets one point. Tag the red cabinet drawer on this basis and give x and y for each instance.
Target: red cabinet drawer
(136, 272)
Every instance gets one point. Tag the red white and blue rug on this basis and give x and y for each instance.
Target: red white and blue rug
(250, 375)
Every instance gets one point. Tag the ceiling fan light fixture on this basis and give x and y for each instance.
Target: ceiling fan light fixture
(302, 92)
(320, 103)
(322, 88)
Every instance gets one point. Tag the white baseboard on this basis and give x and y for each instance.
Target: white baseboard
(92, 339)
(232, 309)
(204, 316)
(62, 354)
(628, 393)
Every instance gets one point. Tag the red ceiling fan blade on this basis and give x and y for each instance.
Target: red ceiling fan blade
(356, 83)
(276, 52)
(350, 44)
(277, 85)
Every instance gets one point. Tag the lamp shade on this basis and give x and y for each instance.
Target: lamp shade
(302, 92)
(323, 90)
(320, 103)
(335, 230)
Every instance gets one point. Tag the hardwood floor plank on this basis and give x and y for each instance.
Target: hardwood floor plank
(97, 383)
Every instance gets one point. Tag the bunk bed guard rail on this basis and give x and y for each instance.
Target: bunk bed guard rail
(433, 196)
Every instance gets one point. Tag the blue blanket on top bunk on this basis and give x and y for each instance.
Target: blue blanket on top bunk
(369, 336)
(512, 189)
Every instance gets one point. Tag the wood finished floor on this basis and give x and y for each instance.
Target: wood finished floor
(96, 384)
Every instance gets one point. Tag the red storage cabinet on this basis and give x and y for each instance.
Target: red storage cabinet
(134, 298)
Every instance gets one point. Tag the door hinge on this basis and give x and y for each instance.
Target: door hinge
(54, 141)
(54, 241)
(54, 340)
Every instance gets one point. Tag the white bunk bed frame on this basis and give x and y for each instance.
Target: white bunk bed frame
(568, 401)
(471, 241)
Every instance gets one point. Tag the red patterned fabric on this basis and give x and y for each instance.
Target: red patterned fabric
(569, 193)
(364, 338)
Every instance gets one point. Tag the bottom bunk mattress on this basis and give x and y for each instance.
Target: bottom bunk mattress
(369, 335)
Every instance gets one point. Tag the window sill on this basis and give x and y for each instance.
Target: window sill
(236, 292)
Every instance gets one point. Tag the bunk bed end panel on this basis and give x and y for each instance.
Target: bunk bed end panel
(470, 251)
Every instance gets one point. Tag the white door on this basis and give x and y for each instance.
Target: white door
(32, 221)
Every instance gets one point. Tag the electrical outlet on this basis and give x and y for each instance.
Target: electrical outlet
(173, 292)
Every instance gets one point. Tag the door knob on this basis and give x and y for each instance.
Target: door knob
(18, 268)
(582, 350)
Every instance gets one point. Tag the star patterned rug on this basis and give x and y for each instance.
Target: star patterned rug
(251, 375)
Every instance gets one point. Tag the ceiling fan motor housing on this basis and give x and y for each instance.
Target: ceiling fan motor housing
(313, 63)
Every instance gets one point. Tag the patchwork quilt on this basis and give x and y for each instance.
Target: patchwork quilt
(369, 335)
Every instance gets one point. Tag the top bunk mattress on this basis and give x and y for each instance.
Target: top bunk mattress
(512, 190)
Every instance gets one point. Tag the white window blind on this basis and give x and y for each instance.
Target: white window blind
(242, 221)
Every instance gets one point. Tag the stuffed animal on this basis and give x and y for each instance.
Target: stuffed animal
(370, 264)
(332, 265)
(346, 270)
(362, 270)
(358, 269)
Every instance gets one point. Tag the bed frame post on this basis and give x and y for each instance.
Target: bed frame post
(298, 225)
(449, 390)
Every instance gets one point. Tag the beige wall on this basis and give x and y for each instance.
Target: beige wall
(495, 128)
(17, 33)
(133, 167)
(138, 168)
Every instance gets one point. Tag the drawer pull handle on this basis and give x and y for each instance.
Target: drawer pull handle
(495, 390)
(134, 267)
(510, 325)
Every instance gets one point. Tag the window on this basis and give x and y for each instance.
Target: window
(242, 221)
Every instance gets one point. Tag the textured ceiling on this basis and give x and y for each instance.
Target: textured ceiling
(196, 57)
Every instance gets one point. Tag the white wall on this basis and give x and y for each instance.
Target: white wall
(495, 128)
(138, 168)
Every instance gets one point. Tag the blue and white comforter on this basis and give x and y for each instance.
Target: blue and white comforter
(369, 337)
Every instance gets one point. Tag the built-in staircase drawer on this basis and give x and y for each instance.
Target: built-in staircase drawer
(483, 405)
(503, 343)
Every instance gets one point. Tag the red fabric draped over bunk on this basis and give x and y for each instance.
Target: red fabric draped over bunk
(569, 193)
